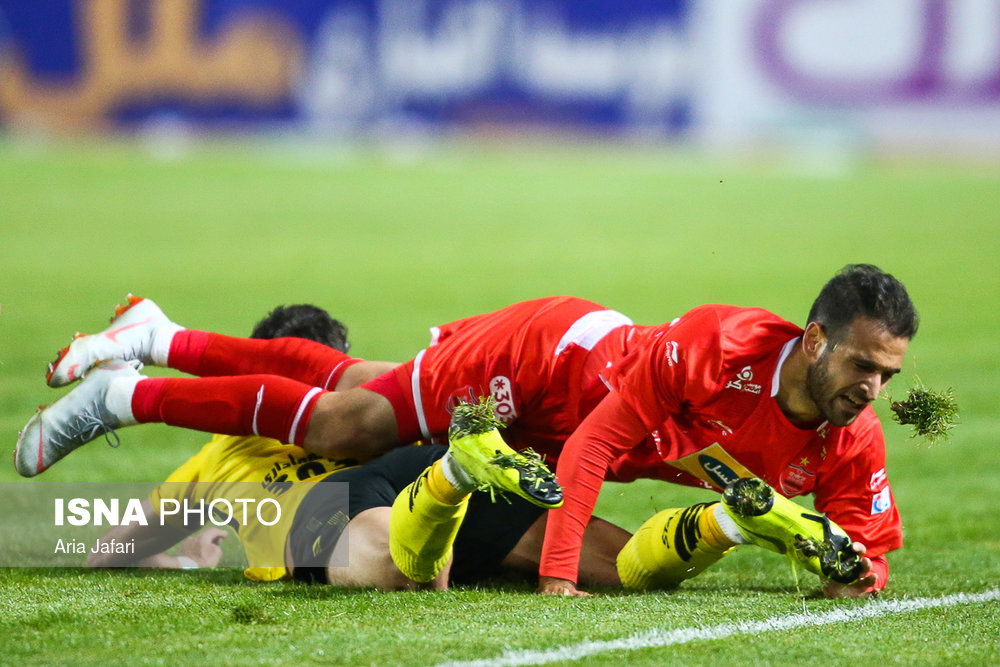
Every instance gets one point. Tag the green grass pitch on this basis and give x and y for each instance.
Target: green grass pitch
(393, 242)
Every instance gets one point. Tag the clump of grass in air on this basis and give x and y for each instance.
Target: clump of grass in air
(932, 414)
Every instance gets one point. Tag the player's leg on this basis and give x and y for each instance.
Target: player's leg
(356, 424)
(140, 331)
(369, 564)
(427, 514)
(674, 545)
(425, 520)
(340, 534)
(602, 542)
(677, 544)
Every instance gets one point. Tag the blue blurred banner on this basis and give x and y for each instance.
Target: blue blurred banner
(731, 73)
(343, 65)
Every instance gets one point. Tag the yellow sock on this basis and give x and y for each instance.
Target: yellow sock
(676, 544)
(423, 525)
(710, 531)
(441, 488)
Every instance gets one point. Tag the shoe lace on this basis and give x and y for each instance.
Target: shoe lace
(86, 427)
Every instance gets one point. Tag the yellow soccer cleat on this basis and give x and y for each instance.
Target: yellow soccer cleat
(476, 445)
(770, 520)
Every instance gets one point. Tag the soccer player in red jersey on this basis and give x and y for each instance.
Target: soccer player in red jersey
(718, 394)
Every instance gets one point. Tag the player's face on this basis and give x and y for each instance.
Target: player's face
(849, 375)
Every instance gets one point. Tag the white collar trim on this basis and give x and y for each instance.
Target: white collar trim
(785, 351)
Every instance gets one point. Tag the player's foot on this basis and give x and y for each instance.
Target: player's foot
(476, 445)
(129, 336)
(75, 419)
(770, 520)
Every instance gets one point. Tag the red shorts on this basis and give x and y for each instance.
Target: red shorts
(537, 359)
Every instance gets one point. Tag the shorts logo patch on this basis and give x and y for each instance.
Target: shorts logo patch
(881, 501)
(503, 399)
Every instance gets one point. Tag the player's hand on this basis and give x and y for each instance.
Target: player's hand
(204, 548)
(554, 586)
(861, 587)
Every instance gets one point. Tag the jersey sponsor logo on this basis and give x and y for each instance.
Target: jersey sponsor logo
(721, 474)
(713, 465)
(795, 480)
(743, 382)
(503, 399)
(881, 501)
(878, 479)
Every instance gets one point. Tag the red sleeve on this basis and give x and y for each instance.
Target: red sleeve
(610, 430)
(880, 568)
(679, 366)
(856, 493)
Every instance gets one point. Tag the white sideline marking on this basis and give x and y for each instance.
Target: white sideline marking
(660, 638)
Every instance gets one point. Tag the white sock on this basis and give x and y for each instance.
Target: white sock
(163, 335)
(728, 526)
(118, 400)
(456, 475)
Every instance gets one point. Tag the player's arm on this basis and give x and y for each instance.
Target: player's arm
(144, 545)
(856, 494)
(607, 432)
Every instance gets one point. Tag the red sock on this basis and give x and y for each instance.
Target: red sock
(266, 405)
(210, 355)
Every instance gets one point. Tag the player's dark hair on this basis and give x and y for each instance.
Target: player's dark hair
(864, 290)
(303, 321)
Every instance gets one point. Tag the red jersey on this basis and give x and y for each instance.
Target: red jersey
(700, 392)
(696, 394)
(538, 359)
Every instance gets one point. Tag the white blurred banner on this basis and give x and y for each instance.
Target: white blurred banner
(905, 73)
(910, 74)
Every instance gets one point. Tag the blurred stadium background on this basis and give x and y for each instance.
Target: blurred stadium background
(827, 79)
(408, 162)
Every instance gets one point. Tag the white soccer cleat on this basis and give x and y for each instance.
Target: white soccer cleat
(97, 406)
(130, 336)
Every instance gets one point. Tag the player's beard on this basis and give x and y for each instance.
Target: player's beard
(829, 399)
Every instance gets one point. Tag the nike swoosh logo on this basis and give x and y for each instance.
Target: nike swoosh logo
(113, 334)
(41, 464)
(779, 545)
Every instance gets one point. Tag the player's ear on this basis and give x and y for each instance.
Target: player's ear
(814, 341)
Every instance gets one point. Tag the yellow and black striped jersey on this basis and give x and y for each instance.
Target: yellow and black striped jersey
(226, 469)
